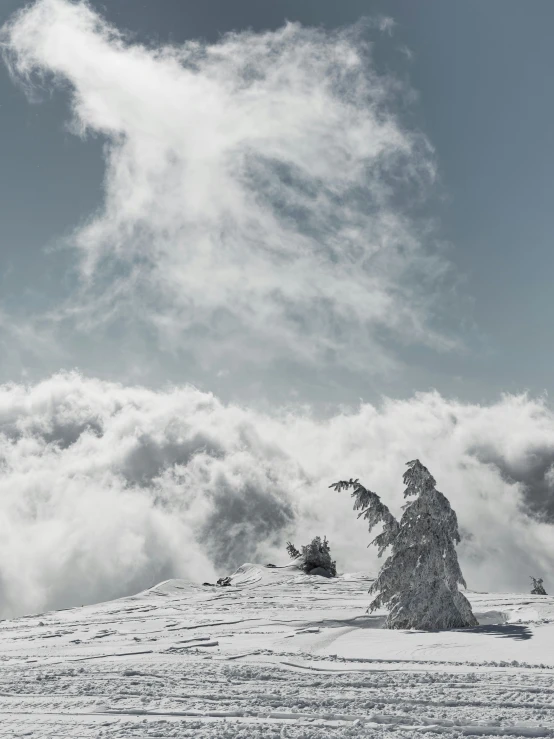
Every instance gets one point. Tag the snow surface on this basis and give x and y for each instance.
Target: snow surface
(277, 654)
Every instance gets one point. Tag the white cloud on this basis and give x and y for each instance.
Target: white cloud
(257, 191)
(105, 489)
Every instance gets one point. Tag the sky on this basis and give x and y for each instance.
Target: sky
(235, 234)
(477, 73)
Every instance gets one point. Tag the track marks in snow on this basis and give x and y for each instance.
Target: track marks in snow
(259, 694)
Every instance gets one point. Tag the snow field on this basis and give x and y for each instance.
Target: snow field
(277, 654)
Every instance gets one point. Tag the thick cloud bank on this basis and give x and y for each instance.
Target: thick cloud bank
(106, 489)
(259, 191)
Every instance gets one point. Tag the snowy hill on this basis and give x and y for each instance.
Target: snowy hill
(276, 654)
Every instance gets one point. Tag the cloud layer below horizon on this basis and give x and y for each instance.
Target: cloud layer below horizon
(259, 193)
(107, 489)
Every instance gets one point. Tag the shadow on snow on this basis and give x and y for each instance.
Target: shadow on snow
(518, 632)
(504, 631)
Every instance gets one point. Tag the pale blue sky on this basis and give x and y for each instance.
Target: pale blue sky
(485, 100)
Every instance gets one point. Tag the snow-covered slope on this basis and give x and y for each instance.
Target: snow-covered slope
(276, 654)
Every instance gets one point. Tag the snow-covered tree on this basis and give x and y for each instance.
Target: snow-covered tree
(292, 551)
(538, 587)
(315, 554)
(419, 581)
(318, 554)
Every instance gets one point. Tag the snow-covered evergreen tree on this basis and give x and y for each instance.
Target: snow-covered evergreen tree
(318, 554)
(419, 581)
(292, 551)
(538, 587)
(315, 554)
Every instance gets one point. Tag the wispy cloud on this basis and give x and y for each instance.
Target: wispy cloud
(24, 342)
(106, 489)
(258, 191)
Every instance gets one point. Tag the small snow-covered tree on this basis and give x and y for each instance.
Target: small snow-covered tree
(318, 554)
(538, 587)
(315, 554)
(292, 551)
(419, 581)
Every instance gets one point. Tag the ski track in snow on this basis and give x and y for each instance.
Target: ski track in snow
(278, 655)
